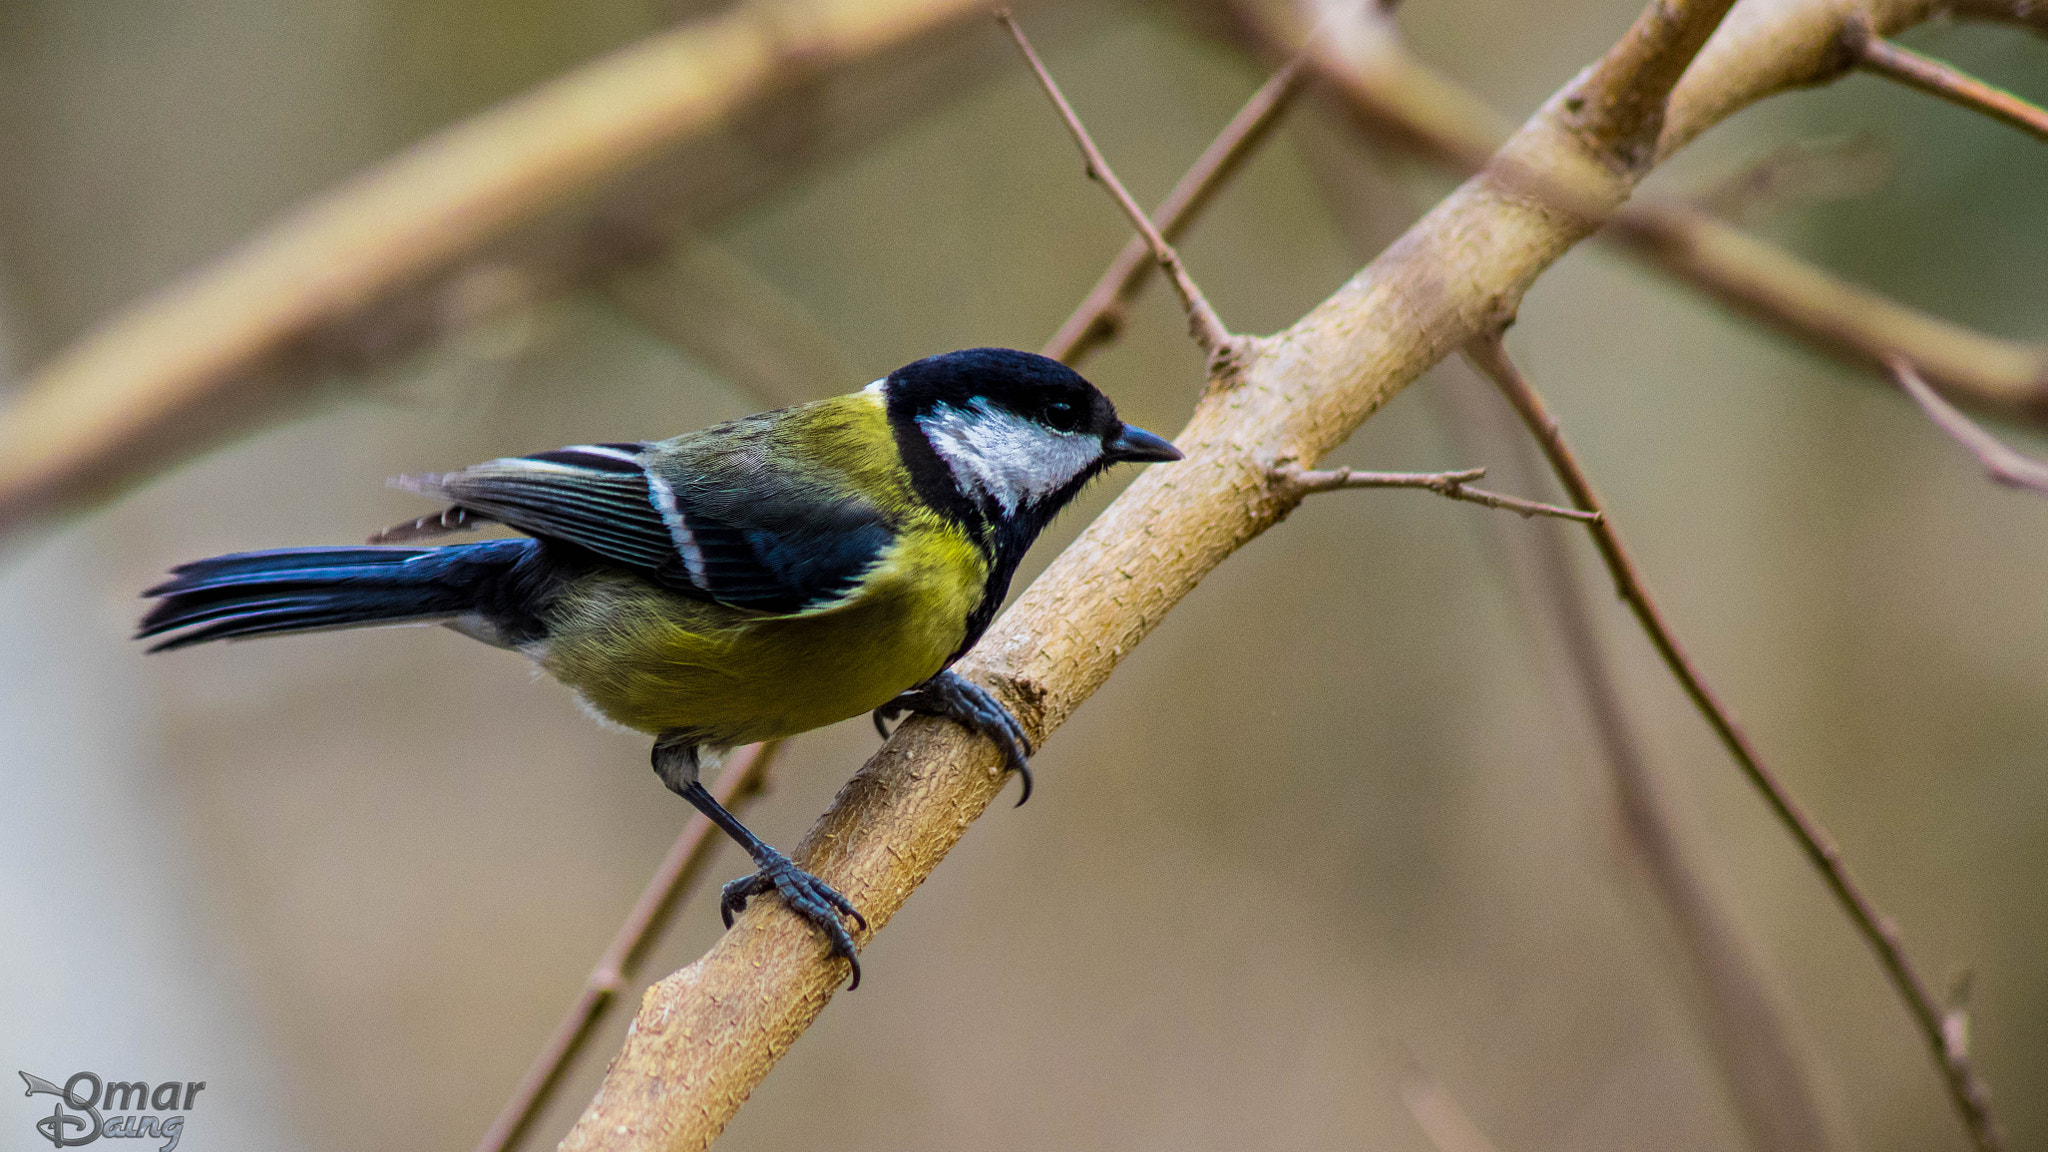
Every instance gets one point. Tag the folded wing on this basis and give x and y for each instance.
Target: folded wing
(711, 518)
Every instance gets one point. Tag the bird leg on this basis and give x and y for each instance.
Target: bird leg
(971, 706)
(803, 893)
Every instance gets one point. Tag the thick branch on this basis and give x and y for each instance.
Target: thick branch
(465, 223)
(1620, 102)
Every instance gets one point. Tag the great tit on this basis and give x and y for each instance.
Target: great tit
(746, 582)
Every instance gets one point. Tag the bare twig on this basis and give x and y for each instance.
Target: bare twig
(1935, 78)
(2004, 465)
(1203, 324)
(1972, 1099)
(1101, 314)
(1456, 485)
(1751, 1031)
(745, 776)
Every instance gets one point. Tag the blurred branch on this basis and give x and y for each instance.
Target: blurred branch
(1802, 172)
(1455, 485)
(1436, 1112)
(572, 178)
(707, 1035)
(2001, 463)
(717, 308)
(1766, 47)
(1935, 78)
(745, 777)
(1971, 1097)
(1100, 315)
(1810, 304)
(1752, 1034)
(1203, 324)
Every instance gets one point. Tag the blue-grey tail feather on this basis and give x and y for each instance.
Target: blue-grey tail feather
(302, 589)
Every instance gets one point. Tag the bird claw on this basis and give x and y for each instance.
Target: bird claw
(805, 895)
(971, 706)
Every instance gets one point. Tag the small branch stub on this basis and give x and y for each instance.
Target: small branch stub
(1299, 483)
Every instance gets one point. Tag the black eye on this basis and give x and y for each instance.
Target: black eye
(1063, 416)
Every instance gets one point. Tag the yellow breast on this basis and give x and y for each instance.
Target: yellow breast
(655, 661)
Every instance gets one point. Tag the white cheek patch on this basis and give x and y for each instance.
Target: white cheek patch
(1003, 456)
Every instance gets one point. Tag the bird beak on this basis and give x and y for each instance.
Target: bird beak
(1138, 446)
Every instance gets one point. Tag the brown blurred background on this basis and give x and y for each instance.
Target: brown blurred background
(1327, 825)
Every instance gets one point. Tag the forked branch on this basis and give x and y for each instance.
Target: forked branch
(1972, 1099)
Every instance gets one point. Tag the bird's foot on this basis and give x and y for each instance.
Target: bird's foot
(971, 706)
(805, 895)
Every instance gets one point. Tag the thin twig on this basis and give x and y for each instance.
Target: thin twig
(1972, 1099)
(1203, 323)
(1101, 314)
(2004, 465)
(1938, 79)
(1770, 1075)
(1455, 485)
(745, 776)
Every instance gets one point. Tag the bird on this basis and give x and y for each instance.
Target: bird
(744, 582)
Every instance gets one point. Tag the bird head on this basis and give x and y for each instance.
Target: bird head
(1009, 436)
